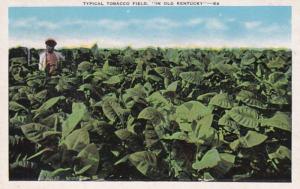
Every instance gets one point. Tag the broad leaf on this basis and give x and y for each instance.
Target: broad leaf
(77, 140)
(244, 116)
(276, 63)
(112, 109)
(114, 79)
(34, 131)
(88, 157)
(209, 160)
(14, 106)
(194, 77)
(152, 115)
(280, 121)
(282, 152)
(252, 138)
(79, 110)
(47, 105)
(144, 161)
(124, 134)
(203, 130)
(249, 98)
(222, 100)
(189, 112)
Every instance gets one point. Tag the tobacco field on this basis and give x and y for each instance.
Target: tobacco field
(151, 114)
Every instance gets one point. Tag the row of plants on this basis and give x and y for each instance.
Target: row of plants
(151, 114)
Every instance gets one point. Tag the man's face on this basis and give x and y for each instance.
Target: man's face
(50, 49)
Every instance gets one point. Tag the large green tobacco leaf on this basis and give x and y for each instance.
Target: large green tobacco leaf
(209, 160)
(57, 174)
(207, 177)
(248, 60)
(177, 70)
(111, 70)
(226, 69)
(276, 63)
(115, 79)
(164, 71)
(129, 139)
(79, 110)
(47, 105)
(152, 115)
(280, 121)
(136, 93)
(63, 85)
(112, 109)
(53, 120)
(244, 116)
(151, 137)
(38, 97)
(227, 162)
(222, 100)
(282, 152)
(77, 140)
(194, 77)
(221, 163)
(172, 55)
(158, 101)
(189, 112)
(14, 106)
(203, 130)
(88, 160)
(124, 134)
(144, 161)
(18, 120)
(206, 96)
(153, 78)
(278, 99)
(218, 59)
(84, 66)
(227, 121)
(99, 75)
(85, 87)
(278, 79)
(249, 98)
(34, 131)
(252, 138)
(172, 88)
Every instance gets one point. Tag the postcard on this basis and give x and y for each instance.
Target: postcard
(150, 93)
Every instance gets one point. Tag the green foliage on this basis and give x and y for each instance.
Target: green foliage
(210, 159)
(221, 100)
(280, 121)
(244, 116)
(145, 162)
(77, 140)
(78, 112)
(152, 114)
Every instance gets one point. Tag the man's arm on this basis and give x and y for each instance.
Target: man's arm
(42, 61)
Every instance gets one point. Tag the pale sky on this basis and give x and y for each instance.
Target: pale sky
(265, 26)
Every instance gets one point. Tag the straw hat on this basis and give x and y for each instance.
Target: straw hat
(51, 42)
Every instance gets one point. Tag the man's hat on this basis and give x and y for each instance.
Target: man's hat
(51, 42)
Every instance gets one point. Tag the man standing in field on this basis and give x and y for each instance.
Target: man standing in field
(49, 59)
